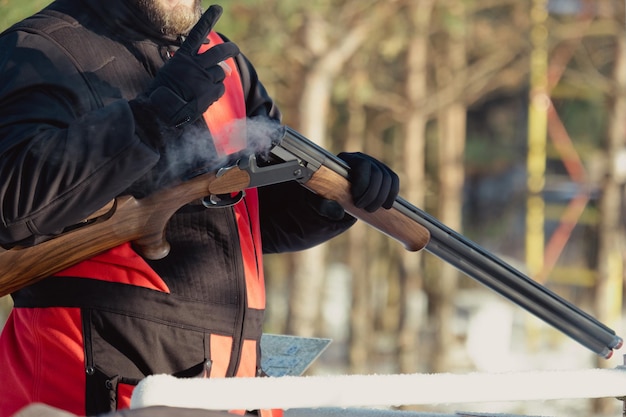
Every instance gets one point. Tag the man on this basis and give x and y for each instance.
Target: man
(100, 99)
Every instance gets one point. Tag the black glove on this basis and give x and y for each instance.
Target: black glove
(190, 82)
(373, 184)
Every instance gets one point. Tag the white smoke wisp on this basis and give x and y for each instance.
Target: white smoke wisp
(262, 132)
(196, 154)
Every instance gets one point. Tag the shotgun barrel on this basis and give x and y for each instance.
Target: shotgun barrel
(460, 252)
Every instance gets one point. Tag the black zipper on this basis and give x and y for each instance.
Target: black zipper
(241, 282)
(243, 291)
(86, 324)
(256, 259)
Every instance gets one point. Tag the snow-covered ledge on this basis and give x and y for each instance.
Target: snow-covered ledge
(347, 391)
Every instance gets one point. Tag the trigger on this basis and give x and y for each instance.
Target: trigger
(222, 200)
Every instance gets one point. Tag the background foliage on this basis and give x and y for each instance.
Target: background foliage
(445, 93)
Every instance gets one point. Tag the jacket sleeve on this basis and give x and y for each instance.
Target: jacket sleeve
(63, 154)
(292, 217)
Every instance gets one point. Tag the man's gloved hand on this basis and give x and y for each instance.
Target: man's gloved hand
(373, 184)
(190, 82)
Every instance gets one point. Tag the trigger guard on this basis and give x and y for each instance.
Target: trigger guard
(222, 200)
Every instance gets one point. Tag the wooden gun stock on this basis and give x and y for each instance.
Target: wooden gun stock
(125, 219)
(392, 222)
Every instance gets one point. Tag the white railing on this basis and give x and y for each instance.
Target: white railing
(347, 391)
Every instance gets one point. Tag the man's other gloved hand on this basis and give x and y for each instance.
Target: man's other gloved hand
(373, 184)
(190, 82)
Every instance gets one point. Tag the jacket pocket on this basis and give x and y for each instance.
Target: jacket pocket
(121, 349)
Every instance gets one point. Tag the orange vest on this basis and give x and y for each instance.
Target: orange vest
(128, 267)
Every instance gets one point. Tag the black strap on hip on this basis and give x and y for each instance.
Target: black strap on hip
(139, 302)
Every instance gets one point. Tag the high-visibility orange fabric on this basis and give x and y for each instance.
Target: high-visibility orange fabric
(120, 264)
(220, 346)
(41, 360)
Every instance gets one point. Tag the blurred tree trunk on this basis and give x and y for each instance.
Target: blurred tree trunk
(610, 269)
(451, 122)
(313, 43)
(361, 317)
(414, 180)
(6, 305)
(327, 58)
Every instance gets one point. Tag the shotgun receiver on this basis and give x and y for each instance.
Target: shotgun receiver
(293, 157)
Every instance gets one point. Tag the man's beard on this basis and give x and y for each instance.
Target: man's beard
(176, 21)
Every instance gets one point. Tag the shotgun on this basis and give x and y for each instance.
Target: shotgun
(293, 157)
